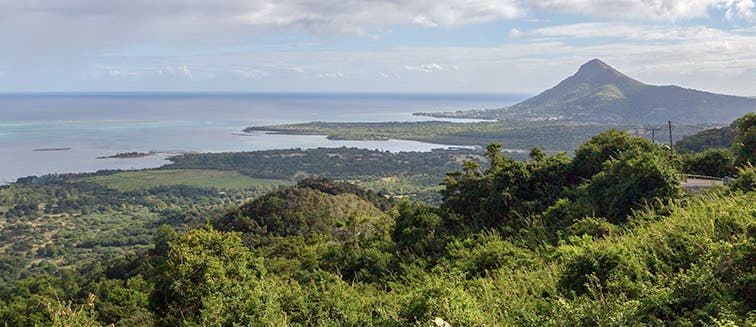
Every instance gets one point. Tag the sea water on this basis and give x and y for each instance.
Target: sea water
(79, 128)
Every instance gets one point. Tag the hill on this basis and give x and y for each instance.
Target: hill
(604, 238)
(600, 93)
(713, 138)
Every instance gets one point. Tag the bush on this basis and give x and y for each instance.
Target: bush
(633, 181)
(712, 162)
(591, 156)
(607, 268)
(744, 145)
(746, 179)
(482, 253)
(595, 227)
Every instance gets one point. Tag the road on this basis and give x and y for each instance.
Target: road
(696, 183)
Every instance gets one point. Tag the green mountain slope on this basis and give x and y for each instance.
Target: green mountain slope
(598, 92)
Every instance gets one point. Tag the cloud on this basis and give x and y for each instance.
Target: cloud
(335, 75)
(249, 73)
(30, 28)
(178, 71)
(665, 10)
(636, 9)
(427, 68)
(120, 73)
(515, 33)
(382, 75)
(637, 32)
(105, 20)
(291, 44)
(740, 9)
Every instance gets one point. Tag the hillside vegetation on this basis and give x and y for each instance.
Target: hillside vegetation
(605, 238)
(202, 178)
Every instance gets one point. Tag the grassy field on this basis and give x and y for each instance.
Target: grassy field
(145, 179)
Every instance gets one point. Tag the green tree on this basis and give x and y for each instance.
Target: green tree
(630, 182)
(591, 156)
(712, 162)
(210, 279)
(744, 145)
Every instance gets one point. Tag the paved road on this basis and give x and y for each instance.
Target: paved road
(695, 183)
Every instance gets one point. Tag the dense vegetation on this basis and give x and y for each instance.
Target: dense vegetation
(64, 222)
(712, 138)
(607, 237)
(200, 178)
(712, 155)
(415, 174)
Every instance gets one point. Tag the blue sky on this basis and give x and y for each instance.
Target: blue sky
(502, 46)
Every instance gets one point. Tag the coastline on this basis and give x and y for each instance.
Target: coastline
(129, 155)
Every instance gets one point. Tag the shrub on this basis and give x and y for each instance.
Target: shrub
(746, 179)
(631, 182)
(485, 252)
(595, 227)
(607, 267)
(712, 162)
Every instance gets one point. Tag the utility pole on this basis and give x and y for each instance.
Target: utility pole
(671, 146)
(653, 133)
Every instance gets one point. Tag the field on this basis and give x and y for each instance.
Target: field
(145, 179)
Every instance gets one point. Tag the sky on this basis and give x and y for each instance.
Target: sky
(426, 46)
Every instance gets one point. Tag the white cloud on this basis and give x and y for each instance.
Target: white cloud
(638, 32)
(636, 9)
(198, 39)
(177, 71)
(515, 33)
(382, 75)
(249, 73)
(334, 75)
(120, 73)
(29, 27)
(740, 9)
(427, 68)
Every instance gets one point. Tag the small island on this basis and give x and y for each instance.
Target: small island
(129, 155)
(51, 149)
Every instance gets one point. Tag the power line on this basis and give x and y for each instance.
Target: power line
(653, 133)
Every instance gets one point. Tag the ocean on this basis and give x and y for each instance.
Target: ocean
(76, 129)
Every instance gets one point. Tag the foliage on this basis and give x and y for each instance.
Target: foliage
(63, 315)
(631, 182)
(147, 179)
(208, 278)
(305, 211)
(594, 227)
(507, 192)
(712, 138)
(711, 162)
(744, 144)
(547, 242)
(591, 156)
(746, 179)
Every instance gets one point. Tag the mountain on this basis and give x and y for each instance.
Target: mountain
(598, 92)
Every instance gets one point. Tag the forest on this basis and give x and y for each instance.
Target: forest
(604, 236)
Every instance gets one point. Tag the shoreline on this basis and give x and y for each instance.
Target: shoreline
(129, 155)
